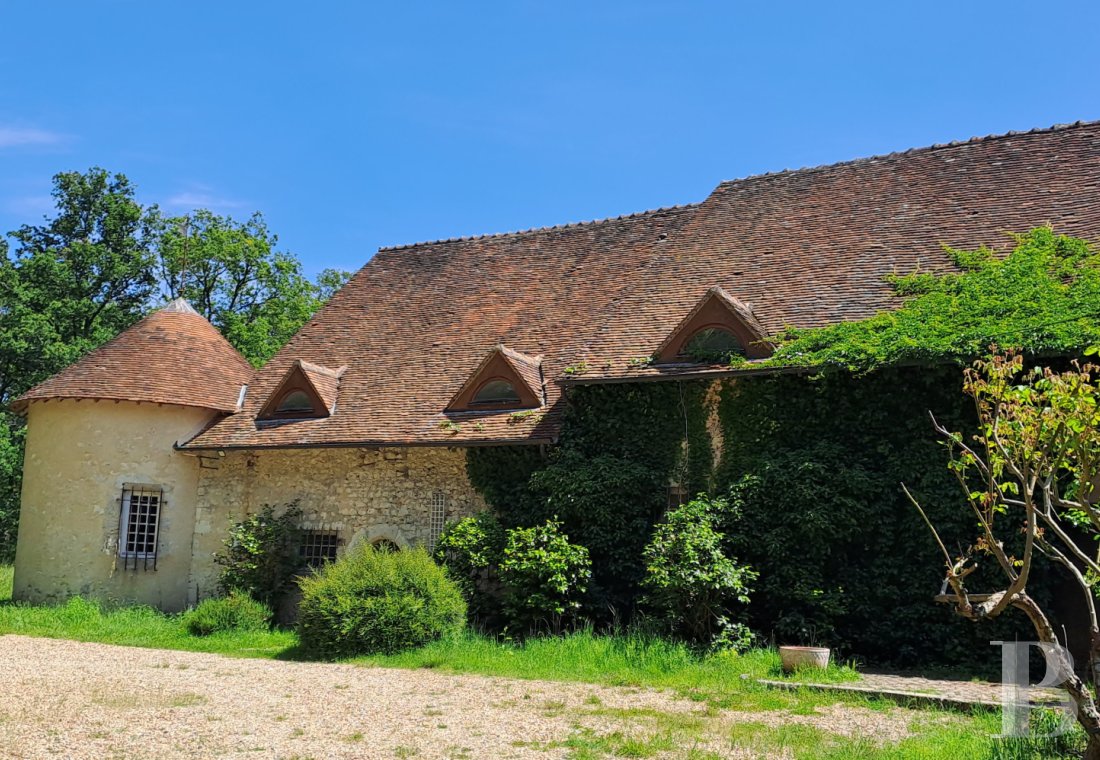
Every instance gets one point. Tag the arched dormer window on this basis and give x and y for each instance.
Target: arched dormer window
(295, 402)
(506, 380)
(712, 344)
(307, 391)
(719, 329)
(495, 392)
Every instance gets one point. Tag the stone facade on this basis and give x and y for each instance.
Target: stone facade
(80, 457)
(363, 493)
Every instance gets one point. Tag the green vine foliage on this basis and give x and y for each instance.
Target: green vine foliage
(1043, 298)
(812, 467)
(811, 464)
(607, 480)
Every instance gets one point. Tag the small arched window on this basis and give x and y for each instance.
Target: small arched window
(385, 545)
(496, 392)
(295, 402)
(713, 344)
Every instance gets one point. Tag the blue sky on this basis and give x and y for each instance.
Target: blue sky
(355, 125)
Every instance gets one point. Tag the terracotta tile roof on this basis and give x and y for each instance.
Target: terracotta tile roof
(172, 356)
(415, 323)
(805, 247)
(815, 246)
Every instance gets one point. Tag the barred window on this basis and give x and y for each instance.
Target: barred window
(436, 519)
(139, 525)
(318, 547)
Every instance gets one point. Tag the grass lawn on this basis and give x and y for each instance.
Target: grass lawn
(719, 683)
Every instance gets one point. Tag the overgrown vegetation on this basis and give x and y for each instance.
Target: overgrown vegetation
(544, 577)
(377, 601)
(260, 556)
(1043, 298)
(810, 464)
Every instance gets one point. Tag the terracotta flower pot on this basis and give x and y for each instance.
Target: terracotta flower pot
(794, 658)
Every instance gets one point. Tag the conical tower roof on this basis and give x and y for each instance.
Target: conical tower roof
(172, 356)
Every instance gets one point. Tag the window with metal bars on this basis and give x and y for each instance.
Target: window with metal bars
(318, 547)
(139, 526)
(436, 519)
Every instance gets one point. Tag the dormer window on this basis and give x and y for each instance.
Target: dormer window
(295, 402)
(719, 329)
(307, 391)
(495, 392)
(505, 380)
(712, 345)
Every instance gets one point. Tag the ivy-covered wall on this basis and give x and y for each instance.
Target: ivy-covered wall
(812, 466)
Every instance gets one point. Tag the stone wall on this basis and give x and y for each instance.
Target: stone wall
(365, 494)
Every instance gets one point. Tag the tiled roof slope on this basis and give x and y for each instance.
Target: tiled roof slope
(814, 246)
(172, 356)
(806, 248)
(415, 323)
(325, 381)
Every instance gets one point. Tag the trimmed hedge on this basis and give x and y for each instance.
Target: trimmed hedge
(374, 601)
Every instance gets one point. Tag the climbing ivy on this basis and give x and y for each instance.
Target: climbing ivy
(607, 479)
(811, 463)
(1043, 298)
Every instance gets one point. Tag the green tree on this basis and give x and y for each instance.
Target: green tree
(72, 283)
(233, 275)
(1029, 476)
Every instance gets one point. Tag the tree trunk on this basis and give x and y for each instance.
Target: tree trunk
(1088, 716)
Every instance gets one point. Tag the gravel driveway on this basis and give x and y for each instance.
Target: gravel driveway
(66, 699)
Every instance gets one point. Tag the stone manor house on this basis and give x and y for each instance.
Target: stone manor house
(141, 454)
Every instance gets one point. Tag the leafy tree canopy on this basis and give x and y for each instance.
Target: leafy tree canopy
(232, 274)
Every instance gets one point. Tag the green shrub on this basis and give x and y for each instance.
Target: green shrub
(261, 553)
(471, 549)
(544, 575)
(374, 601)
(690, 583)
(235, 612)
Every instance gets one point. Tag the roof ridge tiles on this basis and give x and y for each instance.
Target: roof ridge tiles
(910, 151)
(548, 228)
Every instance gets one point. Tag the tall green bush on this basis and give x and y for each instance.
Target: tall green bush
(374, 601)
(260, 555)
(471, 550)
(691, 585)
(544, 576)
